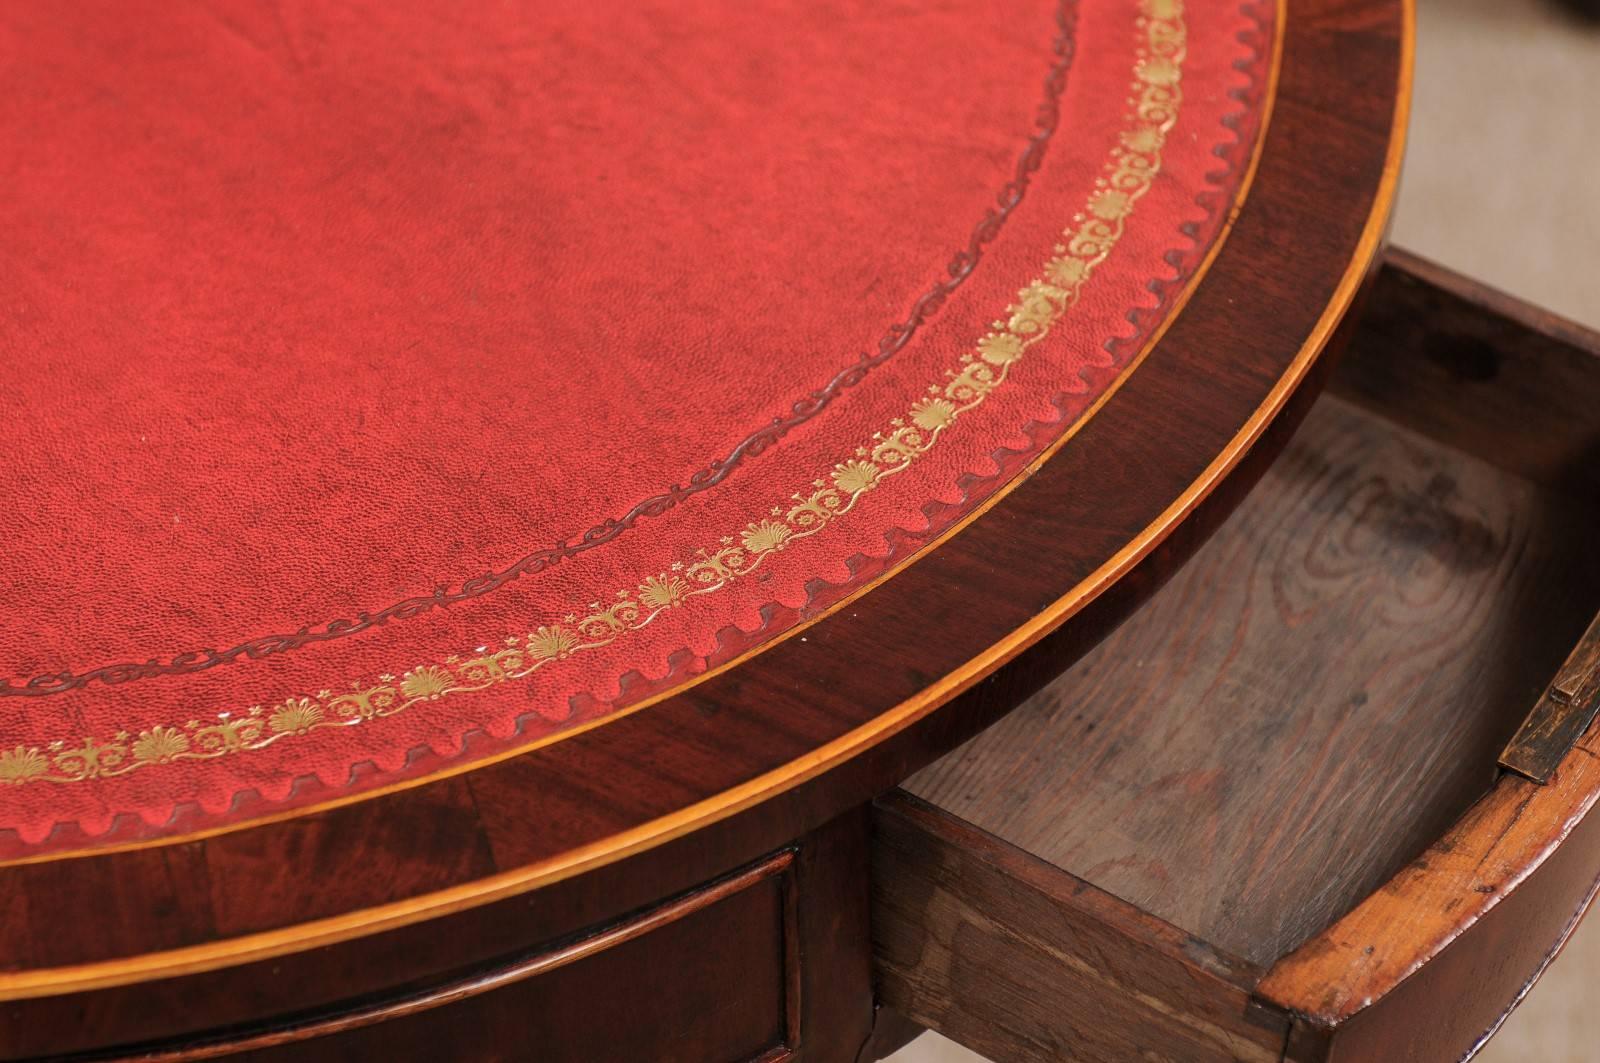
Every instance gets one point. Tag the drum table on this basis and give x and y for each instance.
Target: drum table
(498, 497)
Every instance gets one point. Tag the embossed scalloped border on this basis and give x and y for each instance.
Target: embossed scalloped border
(185, 819)
(1040, 304)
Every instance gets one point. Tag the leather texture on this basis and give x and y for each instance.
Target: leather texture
(347, 344)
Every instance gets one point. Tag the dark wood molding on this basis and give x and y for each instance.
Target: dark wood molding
(800, 912)
(539, 961)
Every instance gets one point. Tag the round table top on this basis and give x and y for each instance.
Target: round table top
(611, 420)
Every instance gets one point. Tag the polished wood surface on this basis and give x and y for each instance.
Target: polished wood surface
(741, 1002)
(767, 963)
(758, 989)
(330, 910)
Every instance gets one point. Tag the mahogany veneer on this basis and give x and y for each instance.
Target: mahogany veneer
(476, 915)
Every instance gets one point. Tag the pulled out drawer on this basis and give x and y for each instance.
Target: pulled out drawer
(1267, 818)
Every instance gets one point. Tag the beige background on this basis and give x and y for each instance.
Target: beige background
(1502, 182)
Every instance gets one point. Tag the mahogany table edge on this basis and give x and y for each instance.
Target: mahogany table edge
(251, 947)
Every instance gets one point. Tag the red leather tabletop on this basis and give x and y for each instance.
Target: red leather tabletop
(385, 385)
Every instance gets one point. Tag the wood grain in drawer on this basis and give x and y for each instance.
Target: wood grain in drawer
(1313, 699)
(1265, 818)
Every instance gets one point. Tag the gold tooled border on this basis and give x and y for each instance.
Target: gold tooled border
(1240, 195)
(266, 944)
(1155, 100)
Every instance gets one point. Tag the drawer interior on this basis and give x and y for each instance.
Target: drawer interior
(1309, 701)
(1309, 704)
